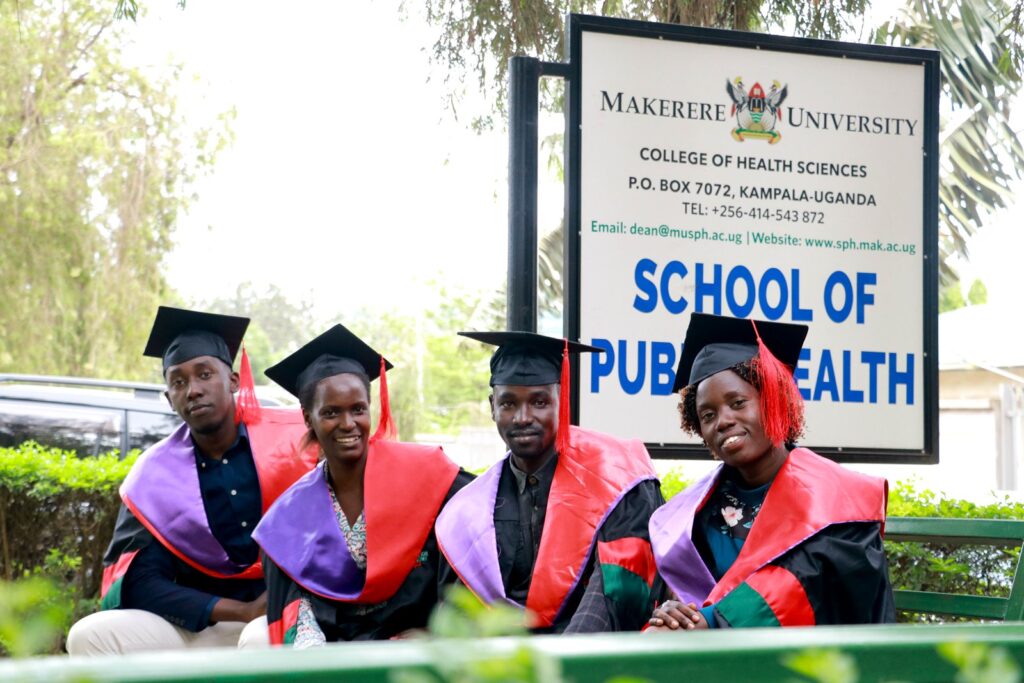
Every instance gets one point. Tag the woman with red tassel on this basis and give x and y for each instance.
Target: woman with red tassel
(349, 550)
(776, 535)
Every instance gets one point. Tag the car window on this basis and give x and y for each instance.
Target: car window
(145, 429)
(87, 431)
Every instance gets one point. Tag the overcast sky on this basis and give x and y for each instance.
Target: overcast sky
(348, 182)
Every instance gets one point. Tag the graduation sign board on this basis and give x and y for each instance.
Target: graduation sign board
(762, 177)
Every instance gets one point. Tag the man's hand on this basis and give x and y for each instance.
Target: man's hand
(411, 633)
(227, 609)
(258, 607)
(673, 615)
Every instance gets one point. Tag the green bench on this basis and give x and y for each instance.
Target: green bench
(958, 532)
(864, 654)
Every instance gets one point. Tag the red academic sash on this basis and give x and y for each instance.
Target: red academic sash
(789, 516)
(404, 486)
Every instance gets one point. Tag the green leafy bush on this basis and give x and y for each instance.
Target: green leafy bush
(57, 513)
(673, 482)
(34, 614)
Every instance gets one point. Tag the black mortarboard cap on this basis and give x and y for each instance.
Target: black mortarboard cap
(714, 343)
(179, 335)
(526, 358)
(335, 352)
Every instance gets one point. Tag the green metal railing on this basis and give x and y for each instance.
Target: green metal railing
(997, 532)
(869, 654)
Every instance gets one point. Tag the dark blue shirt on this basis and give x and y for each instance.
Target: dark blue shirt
(159, 582)
(231, 496)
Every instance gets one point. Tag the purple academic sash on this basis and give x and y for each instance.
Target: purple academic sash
(162, 491)
(678, 560)
(466, 536)
(300, 533)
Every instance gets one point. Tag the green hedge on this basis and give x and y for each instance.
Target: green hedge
(57, 512)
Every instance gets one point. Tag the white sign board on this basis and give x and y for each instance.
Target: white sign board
(760, 183)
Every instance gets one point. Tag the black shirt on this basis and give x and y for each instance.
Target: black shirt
(519, 511)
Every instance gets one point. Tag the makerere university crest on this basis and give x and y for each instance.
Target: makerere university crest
(756, 113)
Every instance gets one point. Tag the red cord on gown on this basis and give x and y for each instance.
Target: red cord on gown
(247, 405)
(386, 425)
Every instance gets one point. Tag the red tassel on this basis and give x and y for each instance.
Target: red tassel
(564, 419)
(386, 425)
(782, 406)
(247, 405)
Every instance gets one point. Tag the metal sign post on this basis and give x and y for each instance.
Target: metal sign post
(524, 79)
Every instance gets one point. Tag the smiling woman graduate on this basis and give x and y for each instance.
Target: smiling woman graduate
(349, 549)
(776, 535)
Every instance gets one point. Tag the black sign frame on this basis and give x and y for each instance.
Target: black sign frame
(929, 59)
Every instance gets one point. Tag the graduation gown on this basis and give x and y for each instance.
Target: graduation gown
(602, 495)
(162, 501)
(813, 555)
(306, 554)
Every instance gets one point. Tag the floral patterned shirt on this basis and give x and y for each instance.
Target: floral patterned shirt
(308, 632)
(726, 520)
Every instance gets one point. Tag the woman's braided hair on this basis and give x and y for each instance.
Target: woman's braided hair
(690, 421)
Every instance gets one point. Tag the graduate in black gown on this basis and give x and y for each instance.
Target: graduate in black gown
(558, 526)
(349, 550)
(776, 535)
(182, 569)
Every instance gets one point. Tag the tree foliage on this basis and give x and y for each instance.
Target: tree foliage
(978, 293)
(95, 165)
(981, 156)
(477, 37)
(129, 9)
(456, 371)
(951, 297)
(279, 325)
(440, 380)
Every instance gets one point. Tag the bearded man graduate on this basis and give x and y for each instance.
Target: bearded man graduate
(559, 526)
(182, 569)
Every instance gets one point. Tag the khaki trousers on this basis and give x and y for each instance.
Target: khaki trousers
(122, 631)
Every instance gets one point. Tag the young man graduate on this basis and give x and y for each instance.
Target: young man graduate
(182, 569)
(559, 526)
